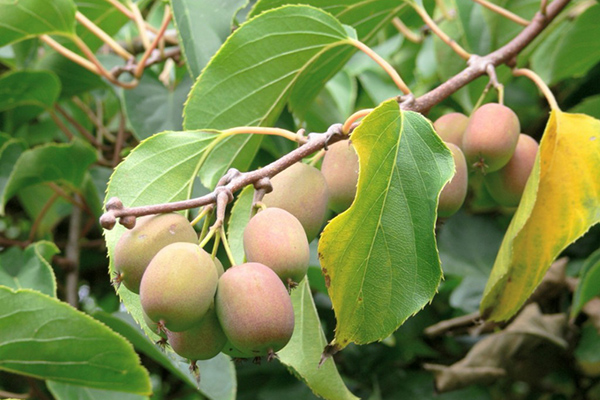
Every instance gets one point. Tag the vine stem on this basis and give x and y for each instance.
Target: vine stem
(383, 64)
(141, 24)
(262, 131)
(106, 38)
(41, 215)
(76, 58)
(405, 31)
(347, 127)
(206, 239)
(503, 55)
(161, 31)
(316, 141)
(540, 84)
(201, 214)
(440, 33)
(503, 12)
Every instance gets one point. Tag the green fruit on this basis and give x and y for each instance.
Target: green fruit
(138, 246)
(506, 186)
(178, 286)
(275, 238)
(340, 169)
(254, 309)
(451, 127)
(491, 137)
(302, 191)
(201, 342)
(454, 193)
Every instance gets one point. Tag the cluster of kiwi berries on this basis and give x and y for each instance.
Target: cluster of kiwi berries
(200, 309)
(487, 145)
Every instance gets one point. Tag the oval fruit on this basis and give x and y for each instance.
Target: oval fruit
(178, 286)
(276, 238)
(451, 127)
(454, 193)
(340, 169)
(254, 309)
(302, 191)
(138, 246)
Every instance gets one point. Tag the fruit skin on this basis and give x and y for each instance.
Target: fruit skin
(233, 352)
(178, 286)
(302, 191)
(201, 342)
(451, 127)
(491, 137)
(454, 193)
(276, 238)
(153, 326)
(340, 169)
(254, 309)
(138, 246)
(506, 186)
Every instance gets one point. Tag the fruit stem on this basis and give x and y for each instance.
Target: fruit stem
(105, 37)
(383, 64)
(440, 33)
(503, 12)
(161, 31)
(206, 239)
(540, 84)
(406, 32)
(261, 130)
(313, 161)
(201, 214)
(347, 127)
(226, 245)
(216, 245)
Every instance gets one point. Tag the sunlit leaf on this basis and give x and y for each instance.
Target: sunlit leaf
(381, 253)
(43, 337)
(561, 202)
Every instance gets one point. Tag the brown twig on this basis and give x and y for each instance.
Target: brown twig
(61, 125)
(41, 215)
(115, 209)
(120, 140)
(95, 119)
(501, 56)
(80, 128)
(163, 27)
(155, 58)
(105, 37)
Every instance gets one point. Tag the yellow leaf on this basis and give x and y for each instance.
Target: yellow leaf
(561, 202)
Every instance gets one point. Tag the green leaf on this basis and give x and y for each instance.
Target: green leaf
(218, 380)
(303, 352)
(10, 152)
(22, 19)
(43, 337)
(29, 268)
(203, 25)
(240, 216)
(587, 352)
(589, 105)
(249, 80)
(576, 53)
(64, 391)
(33, 199)
(589, 283)
(38, 88)
(560, 203)
(64, 164)
(366, 16)
(152, 107)
(160, 169)
(501, 29)
(381, 253)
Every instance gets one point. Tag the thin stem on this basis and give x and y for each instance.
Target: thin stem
(11, 395)
(101, 70)
(206, 224)
(353, 118)
(209, 235)
(540, 84)
(543, 7)
(163, 27)
(96, 120)
(41, 215)
(201, 215)
(441, 5)
(76, 58)
(406, 32)
(491, 71)
(72, 255)
(61, 125)
(383, 64)
(226, 245)
(482, 96)
(105, 37)
(119, 140)
(503, 12)
(313, 161)
(216, 245)
(262, 131)
(440, 33)
(74, 201)
(141, 24)
(260, 206)
(80, 128)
